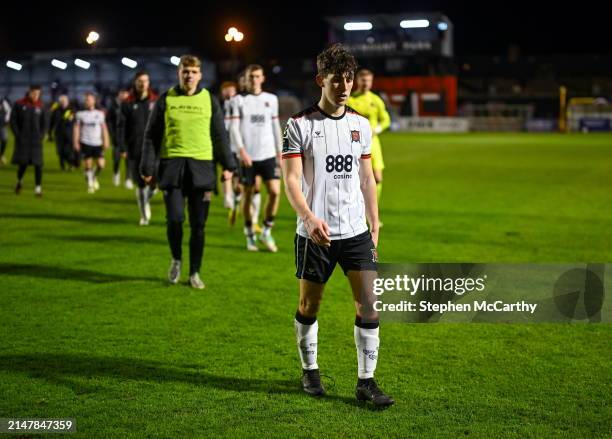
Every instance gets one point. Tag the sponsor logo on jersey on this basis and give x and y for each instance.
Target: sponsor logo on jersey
(318, 135)
(355, 137)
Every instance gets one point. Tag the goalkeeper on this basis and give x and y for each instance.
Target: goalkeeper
(372, 107)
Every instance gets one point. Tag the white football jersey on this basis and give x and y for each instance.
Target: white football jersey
(331, 149)
(256, 114)
(91, 122)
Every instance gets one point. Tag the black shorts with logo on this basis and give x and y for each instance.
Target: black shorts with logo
(266, 169)
(316, 263)
(91, 152)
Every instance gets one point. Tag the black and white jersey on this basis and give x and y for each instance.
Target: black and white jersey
(331, 149)
(258, 119)
(91, 122)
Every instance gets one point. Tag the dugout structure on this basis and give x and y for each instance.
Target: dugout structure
(588, 115)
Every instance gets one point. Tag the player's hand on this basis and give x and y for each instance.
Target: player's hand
(374, 232)
(105, 146)
(245, 158)
(227, 175)
(318, 231)
(148, 179)
(77, 147)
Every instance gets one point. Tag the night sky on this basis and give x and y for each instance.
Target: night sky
(298, 29)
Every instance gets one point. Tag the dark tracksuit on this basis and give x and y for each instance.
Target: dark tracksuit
(116, 126)
(28, 125)
(60, 129)
(135, 113)
(185, 177)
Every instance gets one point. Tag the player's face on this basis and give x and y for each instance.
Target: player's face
(364, 82)
(63, 101)
(123, 95)
(189, 77)
(90, 102)
(336, 87)
(255, 79)
(34, 95)
(228, 92)
(141, 84)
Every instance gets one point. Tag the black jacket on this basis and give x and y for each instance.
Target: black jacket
(136, 113)
(115, 124)
(170, 172)
(28, 125)
(61, 124)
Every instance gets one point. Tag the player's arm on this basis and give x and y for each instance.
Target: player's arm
(384, 119)
(43, 122)
(154, 133)
(221, 148)
(125, 109)
(76, 135)
(15, 122)
(276, 129)
(291, 165)
(236, 135)
(53, 121)
(367, 184)
(7, 111)
(105, 142)
(318, 230)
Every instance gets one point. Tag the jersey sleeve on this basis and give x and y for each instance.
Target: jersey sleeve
(293, 145)
(366, 144)
(274, 112)
(235, 110)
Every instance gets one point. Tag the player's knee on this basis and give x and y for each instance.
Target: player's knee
(366, 310)
(274, 192)
(175, 220)
(309, 307)
(197, 227)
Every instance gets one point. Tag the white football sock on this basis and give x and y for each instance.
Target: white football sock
(306, 336)
(228, 200)
(141, 198)
(256, 203)
(366, 343)
(89, 174)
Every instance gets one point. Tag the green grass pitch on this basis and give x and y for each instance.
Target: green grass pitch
(90, 330)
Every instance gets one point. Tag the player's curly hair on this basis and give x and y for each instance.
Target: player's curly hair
(337, 60)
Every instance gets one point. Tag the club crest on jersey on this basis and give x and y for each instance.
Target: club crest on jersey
(374, 255)
(355, 137)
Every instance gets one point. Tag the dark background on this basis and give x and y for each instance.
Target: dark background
(298, 27)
